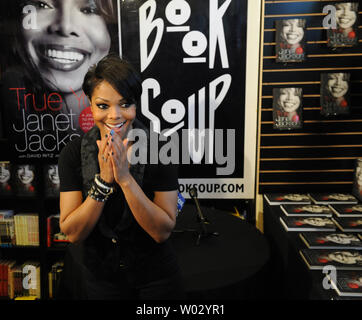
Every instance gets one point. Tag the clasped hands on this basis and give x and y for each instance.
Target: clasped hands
(112, 157)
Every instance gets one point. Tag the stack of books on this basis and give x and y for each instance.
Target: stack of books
(19, 279)
(26, 229)
(7, 228)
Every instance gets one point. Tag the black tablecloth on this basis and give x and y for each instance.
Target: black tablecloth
(219, 263)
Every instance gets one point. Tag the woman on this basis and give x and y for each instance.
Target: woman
(290, 44)
(25, 183)
(334, 93)
(287, 106)
(346, 18)
(122, 214)
(5, 174)
(54, 53)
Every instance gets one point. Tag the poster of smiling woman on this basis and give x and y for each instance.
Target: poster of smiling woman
(345, 32)
(47, 48)
(287, 108)
(335, 96)
(290, 40)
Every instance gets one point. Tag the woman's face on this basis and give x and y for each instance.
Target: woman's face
(289, 99)
(319, 222)
(359, 175)
(4, 174)
(345, 257)
(53, 174)
(110, 110)
(70, 37)
(341, 238)
(25, 174)
(292, 32)
(345, 16)
(314, 208)
(337, 85)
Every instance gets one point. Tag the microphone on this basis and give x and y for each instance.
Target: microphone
(193, 195)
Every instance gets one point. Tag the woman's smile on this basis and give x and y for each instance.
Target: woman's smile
(63, 58)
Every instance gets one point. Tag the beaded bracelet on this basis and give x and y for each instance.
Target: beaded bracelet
(95, 194)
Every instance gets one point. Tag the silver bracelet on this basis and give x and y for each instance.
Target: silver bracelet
(106, 187)
(95, 194)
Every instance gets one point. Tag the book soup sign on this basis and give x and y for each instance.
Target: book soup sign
(192, 58)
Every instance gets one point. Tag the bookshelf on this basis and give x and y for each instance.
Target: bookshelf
(46, 256)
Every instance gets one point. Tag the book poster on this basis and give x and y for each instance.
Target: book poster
(357, 181)
(290, 40)
(51, 180)
(346, 32)
(335, 93)
(192, 58)
(6, 188)
(287, 108)
(25, 180)
(46, 50)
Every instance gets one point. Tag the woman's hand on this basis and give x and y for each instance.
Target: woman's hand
(104, 159)
(119, 158)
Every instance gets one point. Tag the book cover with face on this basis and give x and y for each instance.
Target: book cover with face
(335, 93)
(290, 40)
(357, 180)
(346, 32)
(341, 259)
(25, 180)
(6, 188)
(51, 180)
(287, 108)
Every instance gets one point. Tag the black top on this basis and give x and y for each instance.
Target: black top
(143, 259)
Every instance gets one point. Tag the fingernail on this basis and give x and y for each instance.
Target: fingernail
(112, 140)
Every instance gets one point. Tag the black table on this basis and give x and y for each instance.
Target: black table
(230, 265)
(292, 279)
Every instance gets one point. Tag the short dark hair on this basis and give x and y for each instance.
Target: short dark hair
(119, 73)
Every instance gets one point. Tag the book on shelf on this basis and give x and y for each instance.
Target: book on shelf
(6, 188)
(287, 198)
(357, 179)
(331, 240)
(26, 229)
(5, 266)
(54, 276)
(341, 259)
(7, 233)
(316, 223)
(347, 210)
(25, 180)
(51, 181)
(55, 238)
(287, 108)
(349, 224)
(347, 283)
(306, 210)
(7, 228)
(333, 198)
(15, 281)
